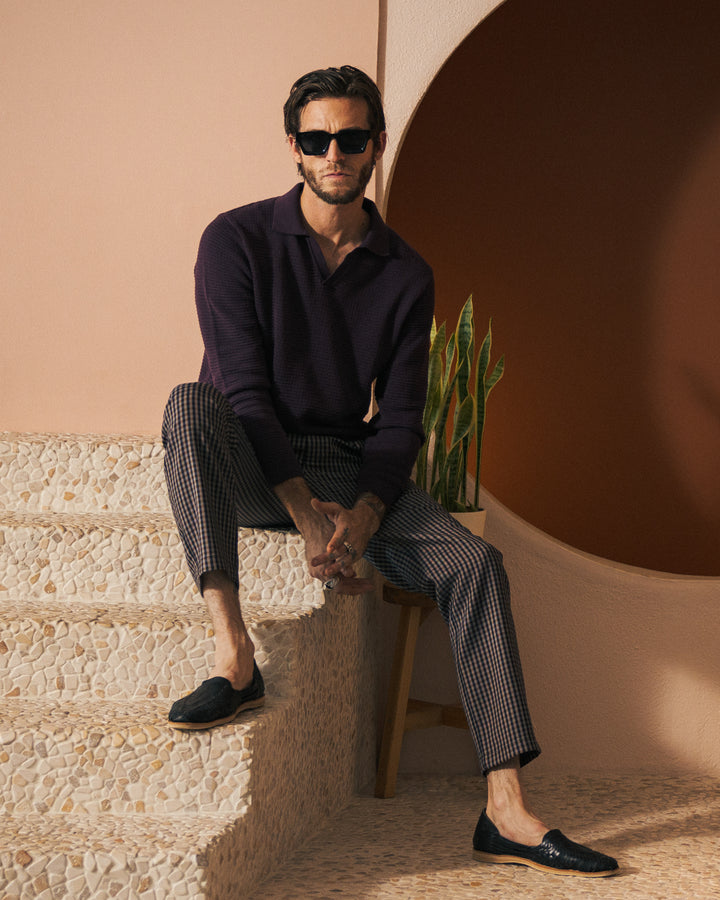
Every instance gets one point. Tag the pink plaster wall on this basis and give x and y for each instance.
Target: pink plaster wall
(126, 128)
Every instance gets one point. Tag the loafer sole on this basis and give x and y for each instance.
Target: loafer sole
(201, 726)
(509, 859)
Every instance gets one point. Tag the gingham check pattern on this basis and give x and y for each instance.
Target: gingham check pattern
(215, 485)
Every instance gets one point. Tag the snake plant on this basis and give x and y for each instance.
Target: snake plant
(458, 382)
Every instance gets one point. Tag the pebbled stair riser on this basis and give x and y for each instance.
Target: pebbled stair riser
(105, 857)
(54, 761)
(126, 857)
(41, 557)
(138, 559)
(81, 473)
(101, 653)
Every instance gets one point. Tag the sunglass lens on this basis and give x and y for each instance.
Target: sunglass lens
(352, 140)
(314, 143)
(317, 143)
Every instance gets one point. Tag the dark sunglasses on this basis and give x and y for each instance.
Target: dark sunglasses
(317, 143)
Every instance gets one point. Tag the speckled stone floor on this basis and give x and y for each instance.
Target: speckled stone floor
(665, 832)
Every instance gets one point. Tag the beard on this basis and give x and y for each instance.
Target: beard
(339, 197)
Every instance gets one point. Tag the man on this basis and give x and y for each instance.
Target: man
(304, 302)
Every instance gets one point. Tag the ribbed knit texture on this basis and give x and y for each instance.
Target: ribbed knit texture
(295, 349)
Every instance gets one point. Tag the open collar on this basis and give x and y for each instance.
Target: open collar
(287, 219)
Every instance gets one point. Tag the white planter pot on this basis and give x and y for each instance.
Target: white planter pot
(473, 521)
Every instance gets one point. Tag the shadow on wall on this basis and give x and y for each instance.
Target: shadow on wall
(564, 167)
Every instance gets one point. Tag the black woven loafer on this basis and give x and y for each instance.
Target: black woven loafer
(216, 702)
(556, 854)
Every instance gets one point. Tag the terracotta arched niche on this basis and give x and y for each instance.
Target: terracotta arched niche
(564, 167)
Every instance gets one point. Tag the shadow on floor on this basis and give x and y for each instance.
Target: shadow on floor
(418, 845)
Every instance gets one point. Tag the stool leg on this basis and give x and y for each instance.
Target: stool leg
(398, 693)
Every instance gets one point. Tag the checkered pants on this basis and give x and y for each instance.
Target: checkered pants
(215, 485)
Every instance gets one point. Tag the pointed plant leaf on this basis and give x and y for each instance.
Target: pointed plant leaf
(464, 330)
(449, 357)
(440, 427)
(465, 340)
(479, 432)
(456, 460)
(497, 374)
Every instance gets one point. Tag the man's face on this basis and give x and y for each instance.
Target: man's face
(336, 177)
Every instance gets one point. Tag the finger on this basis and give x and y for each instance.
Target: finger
(330, 569)
(323, 560)
(339, 544)
(340, 560)
(328, 509)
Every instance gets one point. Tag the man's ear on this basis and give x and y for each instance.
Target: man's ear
(380, 144)
(292, 143)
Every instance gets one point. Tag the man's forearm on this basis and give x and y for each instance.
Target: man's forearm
(296, 496)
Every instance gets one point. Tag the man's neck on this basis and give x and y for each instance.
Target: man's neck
(341, 225)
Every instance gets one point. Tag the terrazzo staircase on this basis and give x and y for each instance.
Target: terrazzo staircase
(100, 627)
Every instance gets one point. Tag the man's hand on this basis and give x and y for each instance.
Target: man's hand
(353, 529)
(335, 537)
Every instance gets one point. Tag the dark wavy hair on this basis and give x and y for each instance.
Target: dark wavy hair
(347, 81)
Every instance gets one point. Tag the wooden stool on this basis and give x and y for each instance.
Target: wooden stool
(403, 714)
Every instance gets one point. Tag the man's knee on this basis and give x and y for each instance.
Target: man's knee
(191, 406)
(479, 566)
(488, 555)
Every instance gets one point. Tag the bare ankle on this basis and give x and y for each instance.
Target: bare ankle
(234, 648)
(507, 807)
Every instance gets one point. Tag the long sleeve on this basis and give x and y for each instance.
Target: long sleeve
(400, 391)
(236, 358)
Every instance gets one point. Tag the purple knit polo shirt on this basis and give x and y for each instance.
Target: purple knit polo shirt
(295, 349)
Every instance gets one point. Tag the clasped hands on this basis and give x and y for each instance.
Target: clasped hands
(334, 565)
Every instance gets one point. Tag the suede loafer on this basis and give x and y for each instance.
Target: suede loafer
(216, 702)
(555, 854)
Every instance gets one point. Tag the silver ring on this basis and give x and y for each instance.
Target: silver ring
(349, 547)
(331, 583)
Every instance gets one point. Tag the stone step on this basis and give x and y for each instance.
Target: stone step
(138, 557)
(81, 473)
(101, 628)
(99, 756)
(77, 650)
(129, 857)
(277, 771)
(123, 857)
